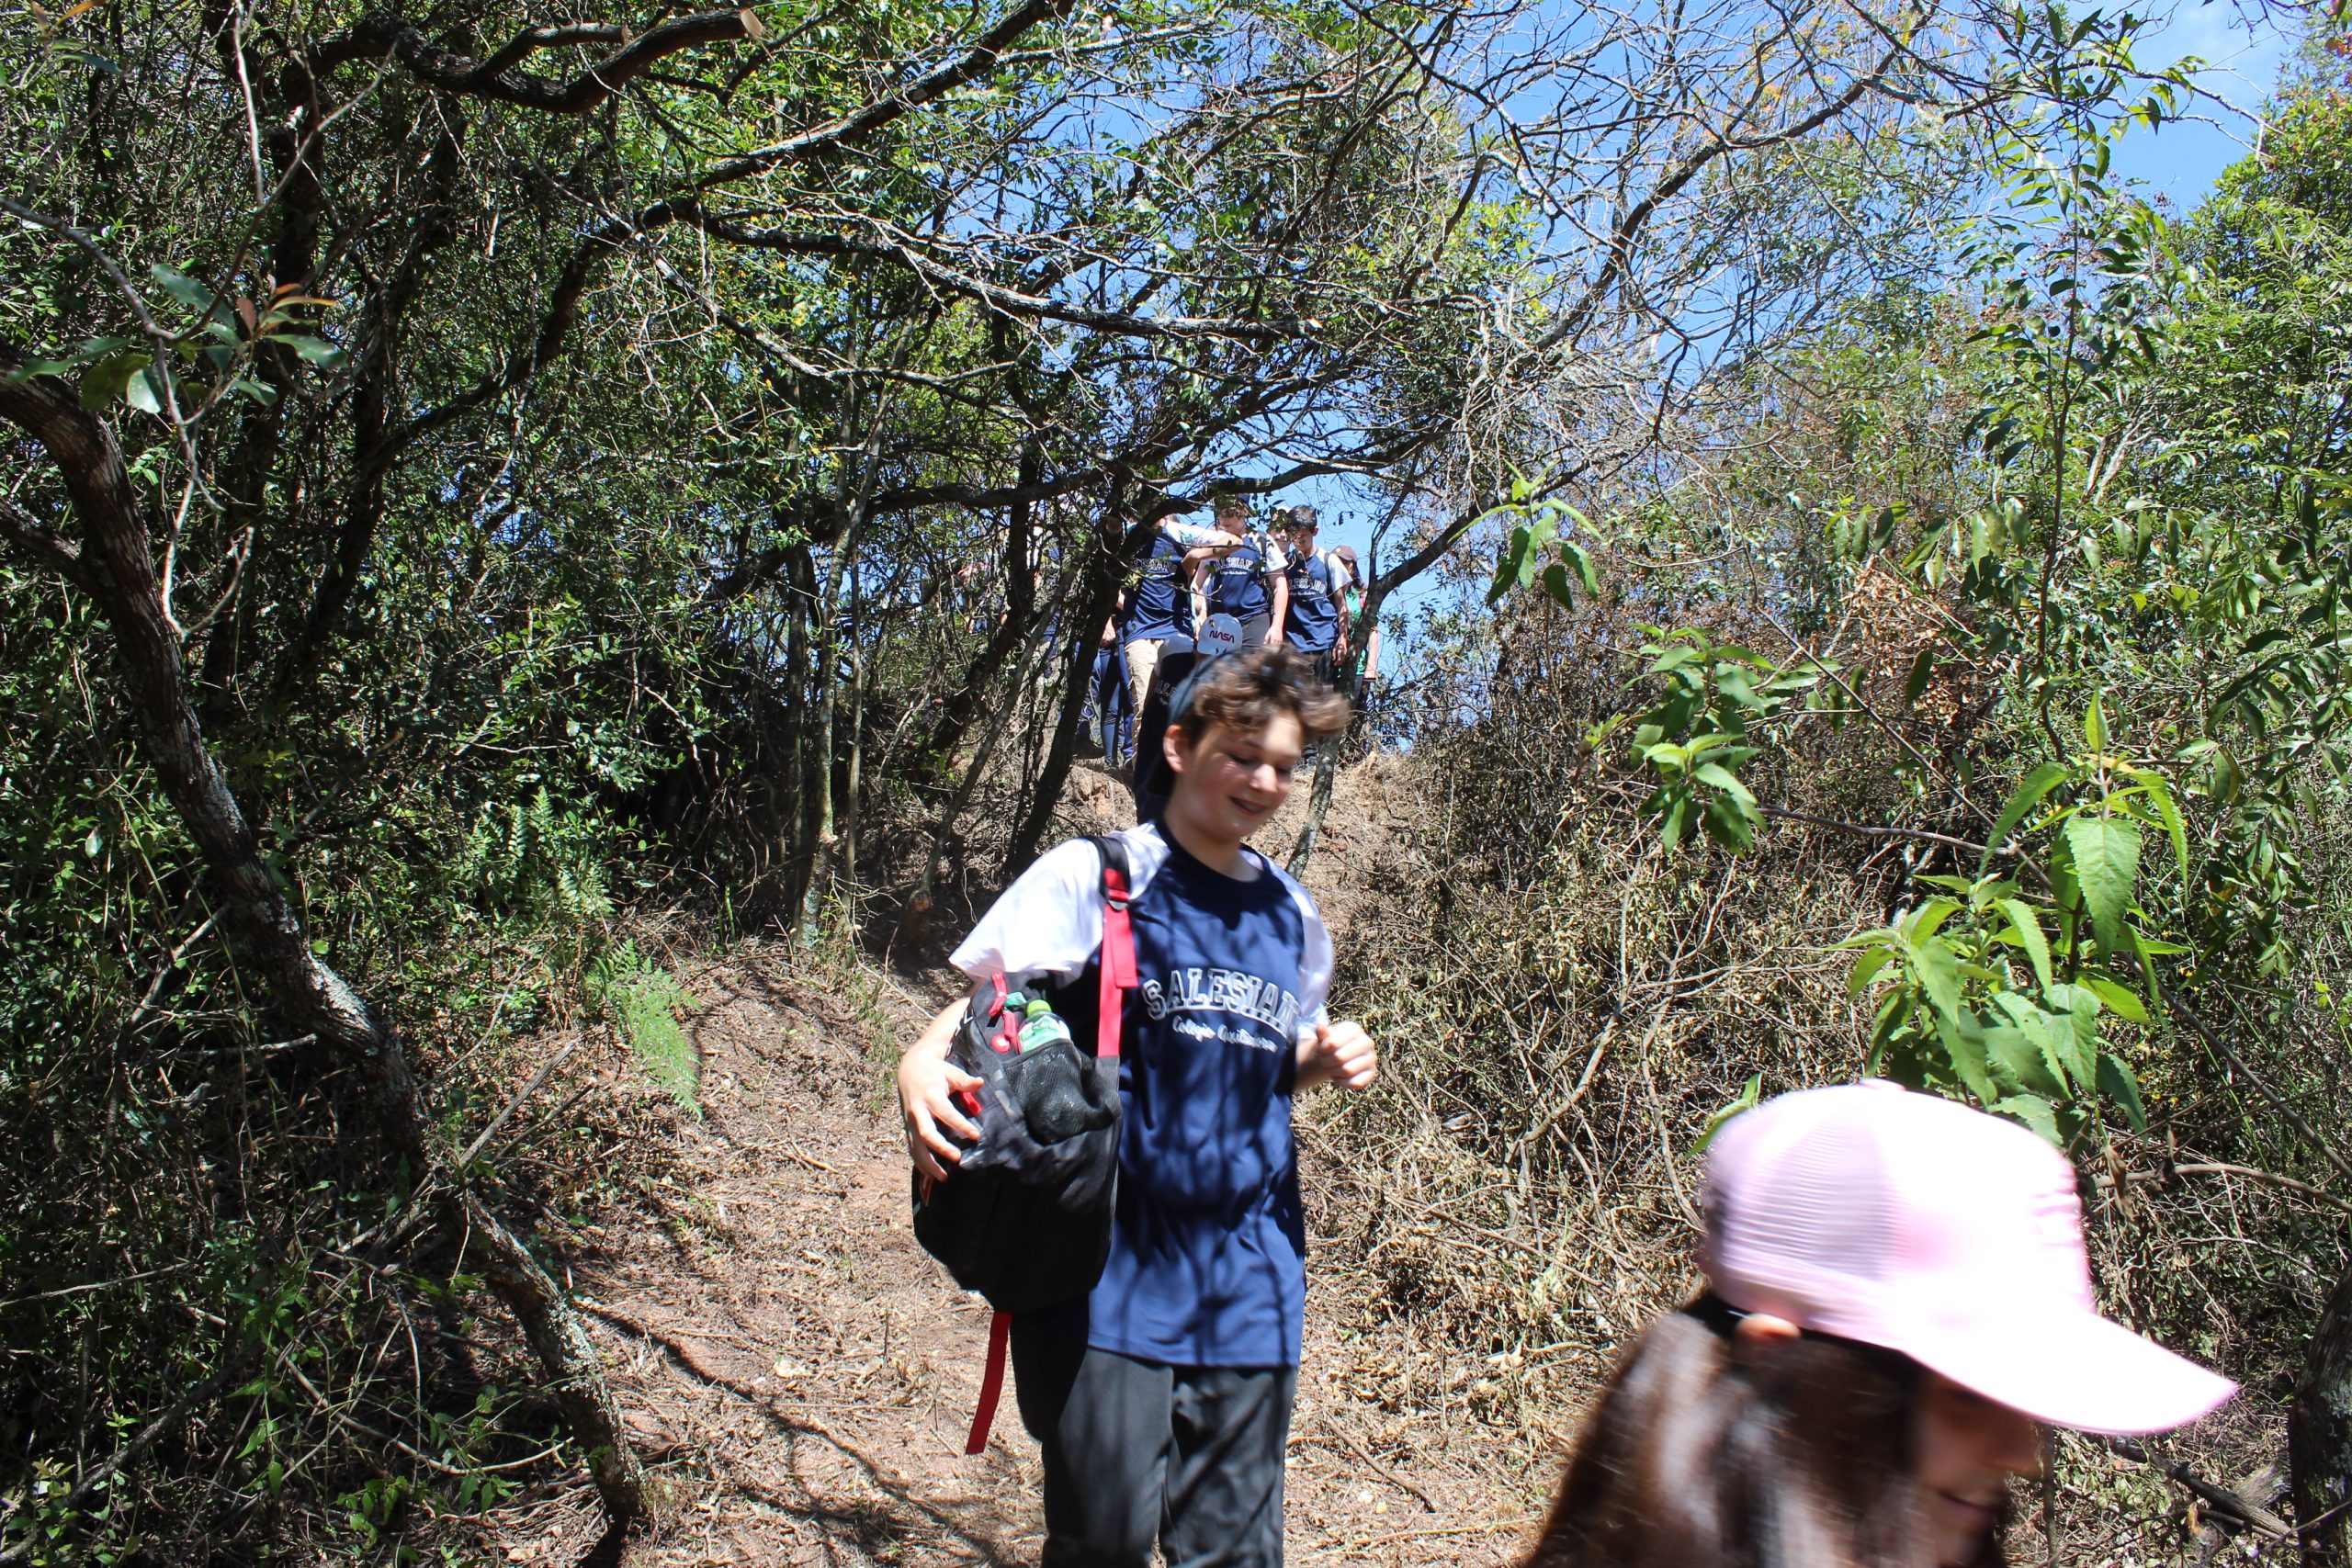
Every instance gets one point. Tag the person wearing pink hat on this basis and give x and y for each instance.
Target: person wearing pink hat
(1896, 1300)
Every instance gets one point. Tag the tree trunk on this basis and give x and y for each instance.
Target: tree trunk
(1318, 801)
(1327, 767)
(800, 592)
(114, 564)
(2319, 1435)
(967, 702)
(1098, 594)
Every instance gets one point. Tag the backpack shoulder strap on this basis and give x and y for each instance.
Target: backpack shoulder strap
(1118, 966)
(1118, 970)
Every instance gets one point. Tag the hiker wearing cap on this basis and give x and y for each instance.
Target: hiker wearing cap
(1315, 581)
(1896, 1300)
(1249, 581)
(1161, 1400)
(1160, 605)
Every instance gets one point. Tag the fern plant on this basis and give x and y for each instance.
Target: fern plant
(542, 865)
(645, 1002)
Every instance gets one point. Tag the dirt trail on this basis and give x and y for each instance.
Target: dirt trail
(800, 1374)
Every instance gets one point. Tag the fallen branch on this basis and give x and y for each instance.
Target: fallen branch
(1783, 814)
(528, 1089)
(2236, 1504)
(2214, 1167)
(1385, 1474)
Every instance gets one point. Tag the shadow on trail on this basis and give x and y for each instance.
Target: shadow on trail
(881, 1532)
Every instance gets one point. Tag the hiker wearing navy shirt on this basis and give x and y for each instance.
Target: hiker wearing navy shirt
(1247, 581)
(1316, 581)
(1161, 1400)
(1159, 605)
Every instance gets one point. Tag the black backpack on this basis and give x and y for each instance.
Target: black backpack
(1024, 1217)
(1152, 780)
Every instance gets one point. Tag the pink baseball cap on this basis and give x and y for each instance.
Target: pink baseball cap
(1916, 1223)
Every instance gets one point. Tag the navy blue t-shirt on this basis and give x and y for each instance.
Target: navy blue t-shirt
(1160, 603)
(1237, 587)
(1313, 614)
(1208, 1249)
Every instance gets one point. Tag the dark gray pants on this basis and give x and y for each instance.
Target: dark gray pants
(1136, 1451)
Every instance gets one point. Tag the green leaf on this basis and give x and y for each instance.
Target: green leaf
(2095, 724)
(1866, 968)
(2027, 926)
(1555, 580)
(2229, 779)
(327, 356)
(2022, 1057)
(1677, 815)
(2161, 793)
(1923, 670)
(181, 286)
(2027, 794)
(1964, 1044)
(141, 392)
(1724, 778)
(1579, 561)
(2120, 999)
(107, 380)
(2034, 1110)
(1515, 567)
(1731, 822)
(1936, 968)
(1929, 917)
(2117, 1082)
(2074, 1038)
(2106, 863)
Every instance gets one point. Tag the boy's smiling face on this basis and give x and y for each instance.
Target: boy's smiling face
(1229, 782)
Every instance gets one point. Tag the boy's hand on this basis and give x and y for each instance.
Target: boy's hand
(927, 1085)
(1341, 1054)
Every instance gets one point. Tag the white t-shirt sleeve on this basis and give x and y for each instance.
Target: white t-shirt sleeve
(1276, 560)
(1048, 920)
(1314, 964)
(1188, 535)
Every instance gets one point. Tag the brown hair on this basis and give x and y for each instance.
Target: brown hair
(1710, 1450)
(1242, 690)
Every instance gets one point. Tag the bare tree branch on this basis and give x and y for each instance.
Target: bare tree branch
(380, 37)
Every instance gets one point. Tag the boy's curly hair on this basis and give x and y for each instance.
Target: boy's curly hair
(1242, 690)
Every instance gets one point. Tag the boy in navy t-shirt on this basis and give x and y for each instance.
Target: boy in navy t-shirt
(1318, 580)
(1249, 581)
(1160, 605)
(1162, 1401)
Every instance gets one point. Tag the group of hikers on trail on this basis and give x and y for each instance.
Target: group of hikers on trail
(1894, 1297)
(1273, 587)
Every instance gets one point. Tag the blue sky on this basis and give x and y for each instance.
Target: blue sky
(2179, 163)
(2242, 57)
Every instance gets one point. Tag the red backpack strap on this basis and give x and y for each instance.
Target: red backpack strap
(1117, 963)
(991, 1384)
(1118, 970)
